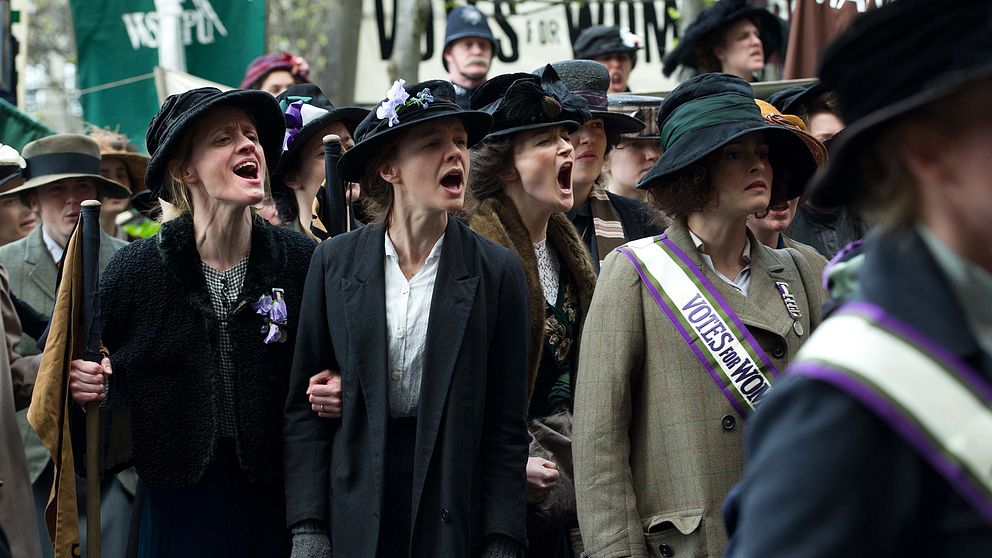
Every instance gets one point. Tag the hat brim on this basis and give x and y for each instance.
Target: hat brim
(841, 181)
(10, 183)
(108, 188)
(787, 152)
(684, 53)
(569, 125)
(351, 116)
(351, 166)
(619, 123)
(136, 164)
(261, 106)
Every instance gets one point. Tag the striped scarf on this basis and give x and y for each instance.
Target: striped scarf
(606, 223)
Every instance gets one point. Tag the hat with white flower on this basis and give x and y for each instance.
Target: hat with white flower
(601, 39)
(404, 107)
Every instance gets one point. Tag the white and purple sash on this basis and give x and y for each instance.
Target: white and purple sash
(710, 327)
(936, 402)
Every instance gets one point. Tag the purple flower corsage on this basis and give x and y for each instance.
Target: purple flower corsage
(274, 314)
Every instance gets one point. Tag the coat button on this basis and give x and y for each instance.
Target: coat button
(666, 550)
(444, 515)
(728, 422)
(778, 350)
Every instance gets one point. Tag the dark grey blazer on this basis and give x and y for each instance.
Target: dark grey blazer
(827, 477)
(469, 470)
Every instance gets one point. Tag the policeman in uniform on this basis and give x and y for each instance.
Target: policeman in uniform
(469, 47)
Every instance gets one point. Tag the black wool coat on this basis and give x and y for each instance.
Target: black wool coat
(162, 335)
(469, 477)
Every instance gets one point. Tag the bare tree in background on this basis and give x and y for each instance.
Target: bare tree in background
(410, 21)
(344, 24)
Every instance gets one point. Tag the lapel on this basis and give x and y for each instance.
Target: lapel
(364, 294)
(40, 267)
(763, 307)
(902, 276)
(451, 306)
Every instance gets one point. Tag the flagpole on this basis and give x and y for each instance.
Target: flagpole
(90, 223)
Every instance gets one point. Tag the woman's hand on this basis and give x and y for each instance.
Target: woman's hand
(87, 380)
(325, 393)
(541, 478)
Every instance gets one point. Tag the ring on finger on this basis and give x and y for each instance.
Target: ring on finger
(322, 407)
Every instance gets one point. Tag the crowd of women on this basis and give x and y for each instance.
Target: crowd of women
(553, 318)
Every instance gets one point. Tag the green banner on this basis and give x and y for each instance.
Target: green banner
(117, 46)
(18, 129)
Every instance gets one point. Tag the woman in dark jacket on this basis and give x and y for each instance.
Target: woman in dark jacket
(522, 181)
(195, 321)
(426, 322)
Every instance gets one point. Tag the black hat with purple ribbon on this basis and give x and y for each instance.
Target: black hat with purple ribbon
(406, 106)
(308, 111)
(591, 81)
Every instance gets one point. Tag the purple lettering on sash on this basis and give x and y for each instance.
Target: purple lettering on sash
(744, 371)
(696, 301)
(751, 384)
(755, 397)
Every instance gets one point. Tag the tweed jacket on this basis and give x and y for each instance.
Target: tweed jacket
(888, 500)
(162, 334)
(656, 444)
(16, 382)
(468, 478)
(817, 262)
(497, 219)
(34, 280)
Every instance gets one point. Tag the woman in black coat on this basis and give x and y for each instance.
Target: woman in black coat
(427, 323)
(195, 320)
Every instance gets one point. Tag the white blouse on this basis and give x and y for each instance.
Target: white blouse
(408, 309)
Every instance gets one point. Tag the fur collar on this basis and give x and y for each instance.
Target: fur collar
(182, 263)
(498, 220)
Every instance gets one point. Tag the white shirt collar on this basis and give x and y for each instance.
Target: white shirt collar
(53, 247)
(969, 283)
(745, 255)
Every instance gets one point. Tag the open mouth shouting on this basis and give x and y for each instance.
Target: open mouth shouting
(247, 169)
(453, 182)
(565, 177)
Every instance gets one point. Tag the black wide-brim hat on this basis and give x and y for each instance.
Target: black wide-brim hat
(794, 100)
(591, 81)
(601, 39)
(179, 112)
(299, 131)
(427, 101)
(521, 102)
(950, 46)
(710, 111)
(716, 18)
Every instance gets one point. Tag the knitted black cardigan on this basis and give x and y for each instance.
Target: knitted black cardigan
(162, 335)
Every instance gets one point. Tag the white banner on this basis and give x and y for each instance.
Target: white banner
(528, 34)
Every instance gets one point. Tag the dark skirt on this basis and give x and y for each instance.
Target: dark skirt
(397, 506)
(222, 515)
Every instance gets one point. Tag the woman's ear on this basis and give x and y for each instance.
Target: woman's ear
(509, 174)
(180, 174)
(390, 173)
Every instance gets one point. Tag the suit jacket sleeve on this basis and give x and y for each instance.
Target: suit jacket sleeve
(307, 437)
(610, 361)
(505, 438)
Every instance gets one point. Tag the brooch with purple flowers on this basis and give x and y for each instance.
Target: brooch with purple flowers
(273, 310)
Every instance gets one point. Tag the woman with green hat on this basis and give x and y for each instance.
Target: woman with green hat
(426, 323)
(521, 183)
(195, 321)
(687, 331)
